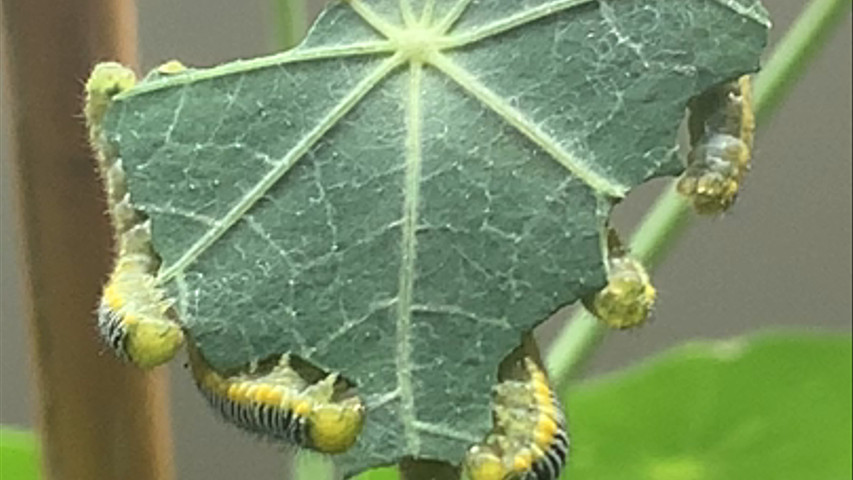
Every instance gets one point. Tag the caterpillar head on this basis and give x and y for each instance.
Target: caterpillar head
(107, 80)
(334, 426)
(151, 341)
(627, 299)
(482, 463)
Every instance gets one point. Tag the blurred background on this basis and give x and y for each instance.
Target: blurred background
(781, 258)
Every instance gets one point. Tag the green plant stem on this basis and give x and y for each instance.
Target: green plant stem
(667, 219)
(801, 43)
(290, 21)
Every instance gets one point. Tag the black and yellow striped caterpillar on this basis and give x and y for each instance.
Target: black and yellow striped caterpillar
(722, 128)
(529, 439)
(135, 318)
(277, 402)
(627, 299)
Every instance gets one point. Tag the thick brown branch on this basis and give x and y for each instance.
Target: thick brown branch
(98, 418)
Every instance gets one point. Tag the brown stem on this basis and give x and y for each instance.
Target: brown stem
(98, 419)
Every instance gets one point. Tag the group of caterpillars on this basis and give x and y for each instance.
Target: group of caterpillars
(721, 125)
(528, 440)
(137, 320)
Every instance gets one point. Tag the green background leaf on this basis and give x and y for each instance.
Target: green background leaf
(389, 473)
(18, 455)
(401, 202)
(775, 406)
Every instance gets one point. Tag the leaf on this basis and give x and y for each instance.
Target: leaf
(771, 406)
(400, 201)
(18, 455)
(381, 474)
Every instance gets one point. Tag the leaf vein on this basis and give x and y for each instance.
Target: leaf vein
(461, 312)
(374, 19)
(284, 166)
(513, 21)
(525, 126)
(243, 66)
(453, 15)
(408, 13)
(408, 249)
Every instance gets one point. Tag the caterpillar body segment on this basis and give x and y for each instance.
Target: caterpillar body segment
(278, 403)
(529, 439)
(722, 130)
(135, 318)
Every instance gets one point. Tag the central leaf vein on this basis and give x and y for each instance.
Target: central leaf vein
(408, 247)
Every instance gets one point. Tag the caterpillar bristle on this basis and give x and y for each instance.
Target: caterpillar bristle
(722, 129)
(279, 404)
(529, 439)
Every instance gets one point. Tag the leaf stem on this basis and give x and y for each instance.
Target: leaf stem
(290, 21)
(667, 219)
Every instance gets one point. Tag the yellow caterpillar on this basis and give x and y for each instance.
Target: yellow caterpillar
(721, 136)
(134, 316)
(627, 299)
(529, 440)
(280, 404)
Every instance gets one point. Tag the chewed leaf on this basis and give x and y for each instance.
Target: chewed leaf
(402, 196)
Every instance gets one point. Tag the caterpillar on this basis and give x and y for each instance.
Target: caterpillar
(134, 317)
(627, 299)
(722, 129)
(529, 439)
(278, 403)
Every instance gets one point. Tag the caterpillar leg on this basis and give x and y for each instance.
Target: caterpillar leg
(278, 403)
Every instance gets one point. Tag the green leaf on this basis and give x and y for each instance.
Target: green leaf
(401, 197)
(18, 455)
(381, 474)
(773, 406)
